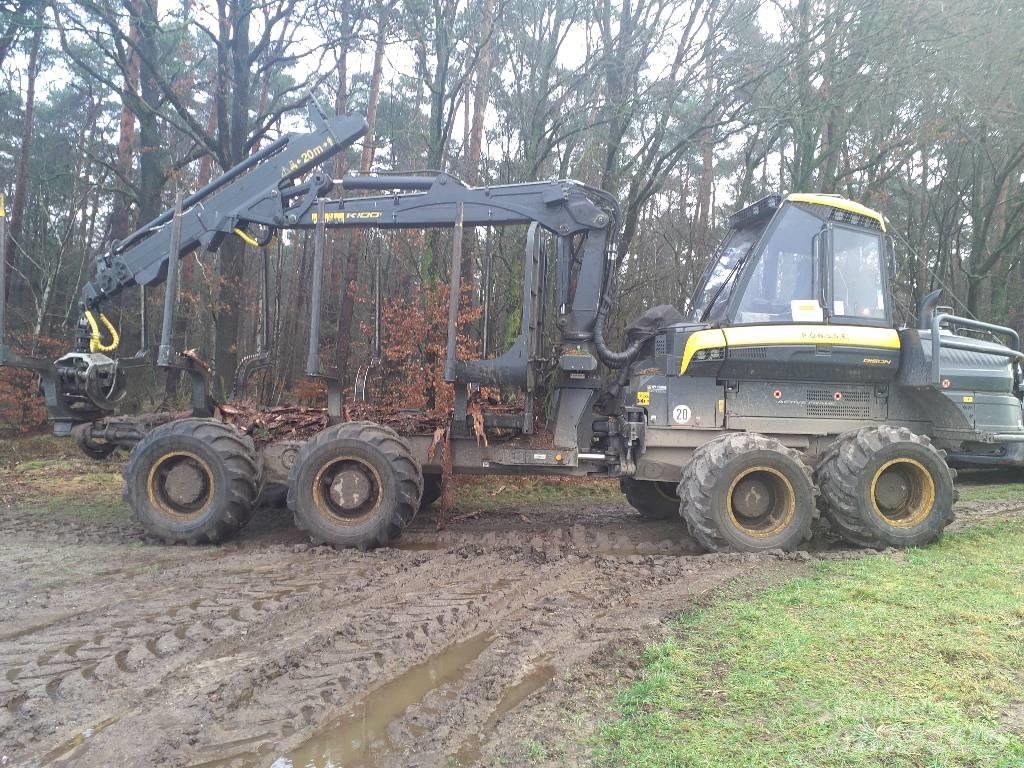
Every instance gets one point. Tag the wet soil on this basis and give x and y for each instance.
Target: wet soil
(497, 641)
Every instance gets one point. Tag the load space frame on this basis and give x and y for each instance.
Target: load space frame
(280, 188)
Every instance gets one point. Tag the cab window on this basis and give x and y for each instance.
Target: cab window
(781, 285)
(858, 286)
(712, 296)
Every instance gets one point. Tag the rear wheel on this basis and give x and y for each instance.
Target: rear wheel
(886, 486)
(746, 492)
(432, 488)
(355, 485)
(653, 500)
(192, 481)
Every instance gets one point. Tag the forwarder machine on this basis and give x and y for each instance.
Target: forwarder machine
(785, 387)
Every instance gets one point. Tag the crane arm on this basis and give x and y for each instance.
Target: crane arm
(263, 189)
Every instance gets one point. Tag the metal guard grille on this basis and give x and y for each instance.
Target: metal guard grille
(854, 404)
(749, 353)
(838, 409)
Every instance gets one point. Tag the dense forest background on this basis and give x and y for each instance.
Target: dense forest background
(683, 109)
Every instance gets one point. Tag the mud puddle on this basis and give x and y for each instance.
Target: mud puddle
(360, 738)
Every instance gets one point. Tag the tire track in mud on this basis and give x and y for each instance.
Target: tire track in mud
(299, 672)
(453, 640)
(264, 653)
(566, 612)
(81, 666)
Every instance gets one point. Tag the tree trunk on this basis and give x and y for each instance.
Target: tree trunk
(151, 166)
(17, 212)
(481, 94)
(231, 256)
(120, 220)
(343, 338)
(702, 225)
(14, 27)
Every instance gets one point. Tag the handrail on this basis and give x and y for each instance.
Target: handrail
(1013, 353)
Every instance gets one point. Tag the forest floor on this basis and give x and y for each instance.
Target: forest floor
(500, 640)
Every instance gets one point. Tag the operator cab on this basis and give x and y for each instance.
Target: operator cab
(805, 259)
(798, 291)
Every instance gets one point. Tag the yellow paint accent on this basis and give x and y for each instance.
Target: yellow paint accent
(340, 217)
(779, 335)
(835, 335)
(708, 339)
(3, 208)
(643, 398)
(968, 398)
(919, 506)
(789, 499)
(155, 498)
(247, 238)
(96, 340)
(835, 201)
(721, 406)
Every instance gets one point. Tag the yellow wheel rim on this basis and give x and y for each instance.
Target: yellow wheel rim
(181, 485)
(902, 493)
(328, 503)
(761, 502)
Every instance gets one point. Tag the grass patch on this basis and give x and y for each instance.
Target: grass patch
(904, 661)
(65, 487)
(16, 450)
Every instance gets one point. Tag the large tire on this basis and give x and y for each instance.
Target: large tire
(749, 493)
(653, 500)
(432, 489)
(192, 481)
(886, 486)
(355, 485)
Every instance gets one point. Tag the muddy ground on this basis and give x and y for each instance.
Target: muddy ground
(498, 641)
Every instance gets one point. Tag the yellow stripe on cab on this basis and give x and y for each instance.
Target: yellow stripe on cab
(789, 335)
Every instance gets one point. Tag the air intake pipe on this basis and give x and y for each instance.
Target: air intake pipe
(926, 309)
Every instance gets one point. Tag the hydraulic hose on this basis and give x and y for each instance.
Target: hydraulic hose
(607, 356)
(95, 337)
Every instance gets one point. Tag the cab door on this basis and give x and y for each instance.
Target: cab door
(858, 304)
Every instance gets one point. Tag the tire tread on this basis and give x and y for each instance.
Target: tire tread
(398, 453)
(696, 487)
(845, 461)
(241, 464)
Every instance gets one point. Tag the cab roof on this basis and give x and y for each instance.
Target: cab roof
(768, 205)
(839, 203)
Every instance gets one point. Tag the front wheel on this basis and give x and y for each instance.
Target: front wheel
(886, 486)
(355, 484)
(652, 499)
(746, 492)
